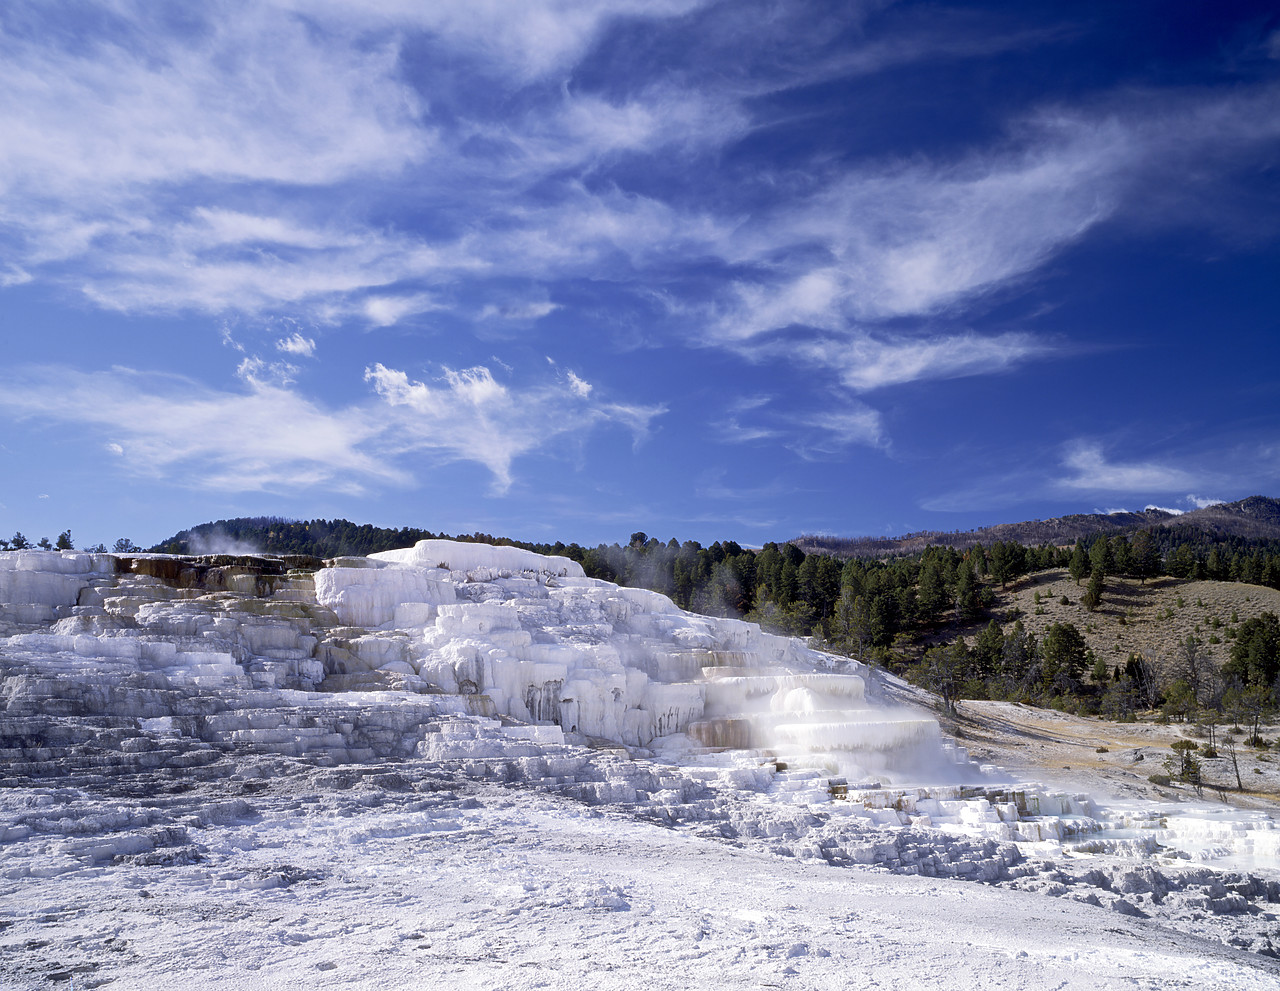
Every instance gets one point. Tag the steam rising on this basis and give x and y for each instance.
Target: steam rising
(219, 542)
(824, 720)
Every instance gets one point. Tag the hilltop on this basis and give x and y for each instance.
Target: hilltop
(1256, 518)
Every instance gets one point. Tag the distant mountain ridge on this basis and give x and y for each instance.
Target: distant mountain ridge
(1253, 518)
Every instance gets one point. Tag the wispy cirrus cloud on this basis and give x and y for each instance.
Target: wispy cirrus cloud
(865, 362)
(833, 274)
(811, 433)
(367, 164)
(269, 436)
(872, 242)
(266, 437)
(829, 432)
(908, 239)
(711, 484)
(469, 416)
(318, 273)
(190, 103)
(130, 155)
(1090, 469)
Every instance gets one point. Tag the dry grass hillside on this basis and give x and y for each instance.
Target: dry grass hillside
(1106, 759)
(1141, 619)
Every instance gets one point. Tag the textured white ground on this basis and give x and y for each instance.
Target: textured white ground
(216, 774)
(429, 883)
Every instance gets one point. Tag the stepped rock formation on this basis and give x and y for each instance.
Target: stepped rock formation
(150, 659)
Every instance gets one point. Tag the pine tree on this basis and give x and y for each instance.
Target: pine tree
(1145, 561)
(1079, 562)
(988, 650)
(1100, 557)
(1064, 651)
(1001, 566)
(1092, 597)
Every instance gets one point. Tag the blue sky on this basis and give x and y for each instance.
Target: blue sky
(569, 270)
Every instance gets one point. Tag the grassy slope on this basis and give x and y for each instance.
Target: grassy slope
(1148, 629)
(1135, 618)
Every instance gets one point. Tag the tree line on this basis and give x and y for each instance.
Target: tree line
(18, 542)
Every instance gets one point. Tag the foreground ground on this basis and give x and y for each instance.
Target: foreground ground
(412, 876)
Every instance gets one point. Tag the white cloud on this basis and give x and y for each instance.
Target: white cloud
(383, 311)
(296, 344)
(105, 137)
(1093, 471)
(163, 269)
(271, 437)
(167, 426)
(733, 431)
(219, 228)
(812, 300)
(810, 433)
(535, 310)
(1203, 502)
(909, 240)
(584, 129)
(711, 484)
(249, 94)
(864, 362)
(256, 372)
(589, 231)
(1164, 509)
(837, 429)
(470, 416)
(229, 340)
(742, 404)
(923, 239)
(250, 164)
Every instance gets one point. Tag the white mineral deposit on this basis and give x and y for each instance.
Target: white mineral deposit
(465, 766)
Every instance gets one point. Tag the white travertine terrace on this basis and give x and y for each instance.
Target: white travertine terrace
(140, 675)
(474, 558)
(454, 627)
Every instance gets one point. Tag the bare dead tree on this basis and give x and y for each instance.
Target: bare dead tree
(1229, 745)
